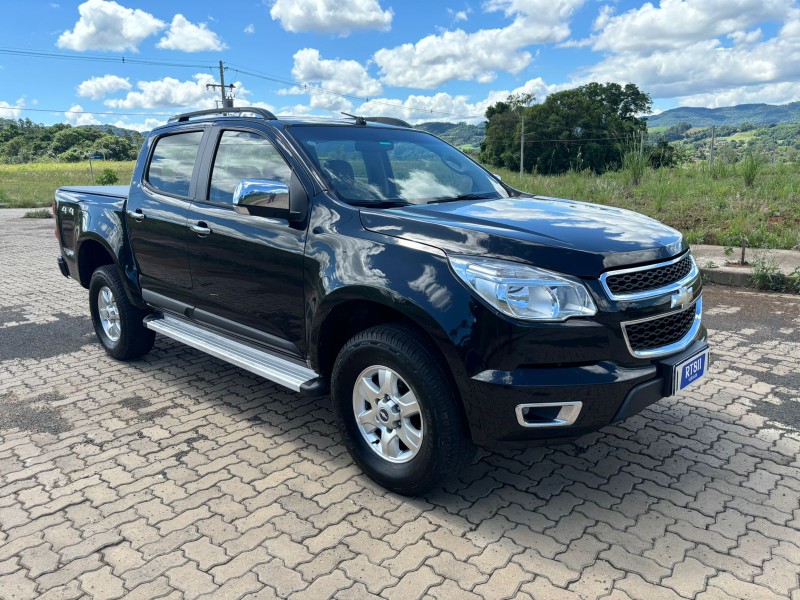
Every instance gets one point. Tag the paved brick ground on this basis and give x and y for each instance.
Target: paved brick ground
(179, 476)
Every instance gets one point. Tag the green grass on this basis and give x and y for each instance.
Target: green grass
(33, 185)
(708, 210)
(38, 213)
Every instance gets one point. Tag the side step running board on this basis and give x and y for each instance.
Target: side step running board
(270, 366)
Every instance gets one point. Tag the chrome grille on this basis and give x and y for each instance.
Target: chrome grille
(647, 279)
(662, 335)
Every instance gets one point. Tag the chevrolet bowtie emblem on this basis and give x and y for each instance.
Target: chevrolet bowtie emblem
(682, 298)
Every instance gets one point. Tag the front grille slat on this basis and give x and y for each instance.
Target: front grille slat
(660, 331)
(648, 279)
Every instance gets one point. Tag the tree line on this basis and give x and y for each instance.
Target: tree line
(23, 141)
(589, 127)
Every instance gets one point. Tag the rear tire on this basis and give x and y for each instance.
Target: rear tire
(117, 322)
(397, 411)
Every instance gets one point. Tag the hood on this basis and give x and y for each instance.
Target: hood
(571, 237)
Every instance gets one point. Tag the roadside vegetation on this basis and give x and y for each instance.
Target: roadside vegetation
(23, 141)
(589, 143)
(33, 185)
(709, 210)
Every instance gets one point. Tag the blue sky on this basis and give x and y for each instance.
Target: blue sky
(413, 59)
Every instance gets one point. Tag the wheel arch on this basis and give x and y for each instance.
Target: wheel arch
(93, 253)
(347, 314)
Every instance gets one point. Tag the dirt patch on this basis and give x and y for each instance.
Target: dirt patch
(9, 315)
(35, 415)
(134, 403)
(45, 340)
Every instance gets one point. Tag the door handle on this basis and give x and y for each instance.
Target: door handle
(201, 229)
(137, 215)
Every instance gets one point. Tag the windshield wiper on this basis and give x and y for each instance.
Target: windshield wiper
(379, 204)
(459, 197)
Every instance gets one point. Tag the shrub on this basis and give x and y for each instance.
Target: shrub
(635, 162)
(751, 165)
(767, 276)
(39, 213)
(106, 177)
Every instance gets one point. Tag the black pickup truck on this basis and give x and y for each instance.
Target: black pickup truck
(437, 306)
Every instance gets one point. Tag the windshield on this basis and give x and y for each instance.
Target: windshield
(382, 166)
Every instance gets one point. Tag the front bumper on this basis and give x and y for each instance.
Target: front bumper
(606, 391)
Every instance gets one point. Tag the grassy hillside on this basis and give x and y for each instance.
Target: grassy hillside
(460, 135)
(709, 211)
(33, 184)
(735, 141)
(757, 114)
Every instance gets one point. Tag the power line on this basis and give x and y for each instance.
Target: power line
(581, 140)
(291, 83)
(105, 59)
(315, 88)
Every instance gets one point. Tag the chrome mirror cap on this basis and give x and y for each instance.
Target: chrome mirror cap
(259, 193)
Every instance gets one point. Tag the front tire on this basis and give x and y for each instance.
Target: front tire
(117, 322)
(397, 411)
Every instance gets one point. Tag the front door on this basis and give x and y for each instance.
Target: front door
(247, 271)
(156, 218)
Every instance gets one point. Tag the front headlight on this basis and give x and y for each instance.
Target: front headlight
(522, 291)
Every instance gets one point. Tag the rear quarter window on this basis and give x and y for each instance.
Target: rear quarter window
(172, 162)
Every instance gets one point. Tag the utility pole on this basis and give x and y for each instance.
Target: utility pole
(522, 147)
(227, 102)
(711, 153)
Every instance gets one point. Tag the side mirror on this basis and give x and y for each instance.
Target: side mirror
(270, 198)
(496, 176)
(260, 197)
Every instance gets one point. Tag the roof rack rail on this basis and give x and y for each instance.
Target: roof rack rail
(264, 114)
(388, 121)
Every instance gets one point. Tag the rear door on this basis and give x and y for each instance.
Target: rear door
(157, 213)
(247, 271)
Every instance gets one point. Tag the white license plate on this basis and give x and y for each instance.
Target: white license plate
(689, 371)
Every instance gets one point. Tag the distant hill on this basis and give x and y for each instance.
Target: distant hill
(114, 130)
(755, 114)
(457, 134)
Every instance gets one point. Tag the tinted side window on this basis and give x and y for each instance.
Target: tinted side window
(241, 155)
(172, 163)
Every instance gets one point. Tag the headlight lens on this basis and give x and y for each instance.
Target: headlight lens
(522, 291)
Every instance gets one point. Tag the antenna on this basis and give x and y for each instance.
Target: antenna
(359, 120)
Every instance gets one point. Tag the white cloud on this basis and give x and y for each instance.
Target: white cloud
(603, 18)
(331, 16)
(704, 52)
(707, 67)
(339, 76)
(106, 25)
(417, 108)
(11, 111)
(186, 36)
(746, 37)
(458, 55)
(170, 92)
(675, 23)
(459, 15)
(250, 29)
(98, 87)
(76, 116)
(771, 93)
(147, 125)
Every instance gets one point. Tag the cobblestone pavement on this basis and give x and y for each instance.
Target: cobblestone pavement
(178, 476)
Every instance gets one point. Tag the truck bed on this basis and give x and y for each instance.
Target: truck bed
(112, 191)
